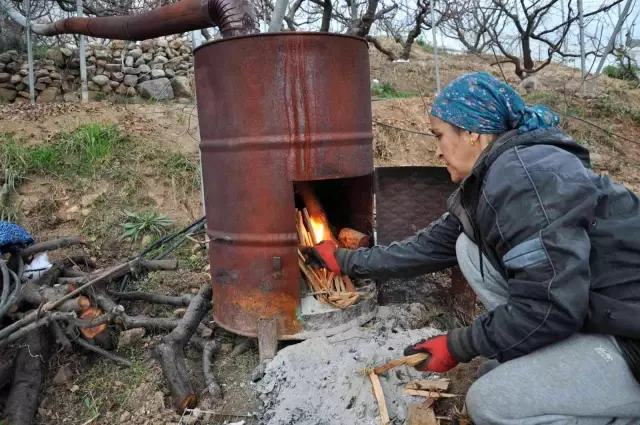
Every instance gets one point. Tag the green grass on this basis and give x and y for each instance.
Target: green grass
(79, 153)
(148, 222)
(609, 107)
(385, 90)
(183, 171)
(619, 72)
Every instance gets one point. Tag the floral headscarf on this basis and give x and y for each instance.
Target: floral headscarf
(480, 103)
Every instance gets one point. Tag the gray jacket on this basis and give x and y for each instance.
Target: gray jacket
(567, 241)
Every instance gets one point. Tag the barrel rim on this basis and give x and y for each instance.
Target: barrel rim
(282, 34)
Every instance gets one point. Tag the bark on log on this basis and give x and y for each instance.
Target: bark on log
(129, 322)
(60, 336)
(210, 349)
(76, 260)
(28, 379)
(179, 301)
(313, 205)
(352, 239)
(36, 324)
(7, 366)
(51, 245)
(170, 352)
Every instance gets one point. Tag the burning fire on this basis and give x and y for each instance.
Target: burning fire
(318, 230)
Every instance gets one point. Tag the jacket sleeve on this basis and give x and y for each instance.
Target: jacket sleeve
(430, 250)
(543, 212)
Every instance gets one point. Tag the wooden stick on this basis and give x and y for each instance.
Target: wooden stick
(411, 360)
(428, 385)
(307, 221)
(314, 207)
(429, 394)
(349, 286)
(382, 405)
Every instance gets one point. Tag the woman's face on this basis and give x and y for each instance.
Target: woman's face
(458, 148)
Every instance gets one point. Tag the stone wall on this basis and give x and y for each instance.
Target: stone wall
(161, 69)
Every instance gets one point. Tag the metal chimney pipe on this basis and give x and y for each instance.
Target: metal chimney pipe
(233, 17)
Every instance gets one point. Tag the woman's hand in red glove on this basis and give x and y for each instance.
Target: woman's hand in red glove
(440, 359)
(322, 255)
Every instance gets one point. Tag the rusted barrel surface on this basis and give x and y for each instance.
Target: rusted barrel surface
(273, 109)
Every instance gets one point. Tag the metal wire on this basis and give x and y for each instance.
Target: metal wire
(193, 227)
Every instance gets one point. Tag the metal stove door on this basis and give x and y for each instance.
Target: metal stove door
(408, 199)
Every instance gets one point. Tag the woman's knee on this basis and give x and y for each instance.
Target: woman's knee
(484, 401)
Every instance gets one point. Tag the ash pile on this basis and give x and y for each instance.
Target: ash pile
(322, 381)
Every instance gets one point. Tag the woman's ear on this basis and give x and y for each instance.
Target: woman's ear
(474, 138)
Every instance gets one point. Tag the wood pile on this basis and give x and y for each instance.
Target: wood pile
(69, 307)
(313, 227)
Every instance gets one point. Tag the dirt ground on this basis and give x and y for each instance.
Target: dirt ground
(50, 206)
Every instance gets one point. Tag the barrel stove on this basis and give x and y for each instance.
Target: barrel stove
(276, 109)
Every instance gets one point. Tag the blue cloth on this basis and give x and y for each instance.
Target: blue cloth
(13, 237)
(480, 103)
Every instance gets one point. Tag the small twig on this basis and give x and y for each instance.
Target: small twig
(4, 192)
(60, 336)
(22, 332)
(52, 245)
(81, 342)
(91, 420)
(498, 63)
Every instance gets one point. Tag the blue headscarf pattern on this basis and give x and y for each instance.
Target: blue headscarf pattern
(480, 103)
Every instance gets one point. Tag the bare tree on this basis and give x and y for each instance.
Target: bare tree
(530, 23)
(469, 23)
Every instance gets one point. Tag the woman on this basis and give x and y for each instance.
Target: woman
(552, 251)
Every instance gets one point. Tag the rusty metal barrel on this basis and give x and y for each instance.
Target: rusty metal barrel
(273, 109)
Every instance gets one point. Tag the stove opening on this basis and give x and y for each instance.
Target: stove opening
(339, 211)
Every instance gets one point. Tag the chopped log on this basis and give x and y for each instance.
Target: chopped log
(92, 330)
(178, 301)
(210, 349)
(420, 415)
(71, 273)
(170, 352)
(382, 405)
(314, 207)
(352, 239)
(411, 360)
(51, 245)
(429, 394)
(34, 294)
(428, 384)
(28, 379)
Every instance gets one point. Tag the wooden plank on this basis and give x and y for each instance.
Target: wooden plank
(429, 384)
(419, 415)
(382, 405)
(411, 360)
(431, 394)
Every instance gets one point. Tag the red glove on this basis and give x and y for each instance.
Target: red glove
(440, 361)
(322, 255)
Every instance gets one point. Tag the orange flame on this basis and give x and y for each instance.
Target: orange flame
(318, 230)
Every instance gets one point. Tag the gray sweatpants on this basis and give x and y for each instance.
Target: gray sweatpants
(581, 380)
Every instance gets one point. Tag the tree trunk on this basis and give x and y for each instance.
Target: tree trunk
(326, 16)
(526, 56)
(28, 379)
